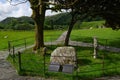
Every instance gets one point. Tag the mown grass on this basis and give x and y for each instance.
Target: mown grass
(106, 36)
(5, 36)
(12, 35)
(88, 68)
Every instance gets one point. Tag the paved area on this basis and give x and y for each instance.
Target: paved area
(8, 72)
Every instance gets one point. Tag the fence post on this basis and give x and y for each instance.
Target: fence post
(44, 53)
(13, 54)
(25, 42)
(44, 65)
(105, 44)
(9, 46)
(103, 66)
(19, 60)
(95, 44)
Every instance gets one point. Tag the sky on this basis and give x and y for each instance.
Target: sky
(7, 10)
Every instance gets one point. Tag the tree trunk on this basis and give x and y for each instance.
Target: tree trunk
(38, 17)
(69, 30)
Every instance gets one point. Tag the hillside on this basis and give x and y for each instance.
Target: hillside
(51, 22)
(59, 19)
(21, 23)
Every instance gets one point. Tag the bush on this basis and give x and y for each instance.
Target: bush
(1, 27)
(23, 26)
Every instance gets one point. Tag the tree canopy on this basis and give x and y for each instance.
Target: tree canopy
(108, 10)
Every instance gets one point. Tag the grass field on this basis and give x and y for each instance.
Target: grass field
(32, 64)
(104, 35)
(88, 68)
(6, 36)
(86, 35)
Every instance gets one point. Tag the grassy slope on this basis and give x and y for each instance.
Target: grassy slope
(87, 25)
(14, 35)
(112, 36)
(93, 24)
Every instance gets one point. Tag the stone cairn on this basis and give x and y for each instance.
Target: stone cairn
(63, 55)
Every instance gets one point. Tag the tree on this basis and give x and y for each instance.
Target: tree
(38, 7)
(38, 15)
(23, 26)
(108, 10)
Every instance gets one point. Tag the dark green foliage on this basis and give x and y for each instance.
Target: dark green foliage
(108, 10)
(59, 19)
(21, 23)
(64, 19)
(23, 26)
(1, 27)
(25, 19)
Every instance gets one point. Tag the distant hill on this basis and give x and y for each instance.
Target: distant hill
(26, 23)
(21, 23)
(22, 19)
(63, 20)
(59, 19)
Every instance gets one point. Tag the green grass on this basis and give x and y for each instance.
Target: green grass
(88, 68)
(94, 24)
(49, 35)
(86, 35)
(87, 25)
(12, 35)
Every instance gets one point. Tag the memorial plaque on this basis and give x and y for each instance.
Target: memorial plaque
(54, 67)
(68, 68)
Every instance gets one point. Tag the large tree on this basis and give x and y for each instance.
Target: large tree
(38, 14)
(39, 8)
(108, 10)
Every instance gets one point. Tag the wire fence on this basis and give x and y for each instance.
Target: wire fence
(102, 66)
(87, 66)
(15, 45)
(101, 41)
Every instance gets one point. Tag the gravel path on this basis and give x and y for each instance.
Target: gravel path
(8, 72)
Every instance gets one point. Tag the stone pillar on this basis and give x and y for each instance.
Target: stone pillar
(95, 44)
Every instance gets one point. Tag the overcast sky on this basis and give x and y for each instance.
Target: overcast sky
(7, 10)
